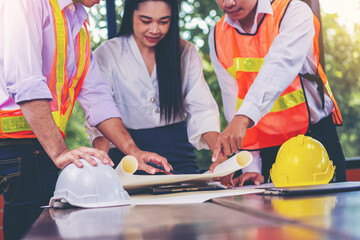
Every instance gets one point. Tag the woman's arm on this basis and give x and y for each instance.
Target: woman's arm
(101, 143)
(202, 111)
(210, 138)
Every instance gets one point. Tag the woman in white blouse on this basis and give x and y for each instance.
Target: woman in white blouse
(158, 84)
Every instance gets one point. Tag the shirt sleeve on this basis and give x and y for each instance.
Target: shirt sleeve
(255, 165)
(227, 83)
(95, 96)
(283, 62)
(22, 42)
(201, 108)
(102, 58)
(92, 132)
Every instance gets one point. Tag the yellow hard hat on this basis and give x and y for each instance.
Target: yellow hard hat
(301, 161)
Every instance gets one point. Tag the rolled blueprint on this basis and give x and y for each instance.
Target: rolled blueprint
(242, 159)
(131, 182)
(128, 165)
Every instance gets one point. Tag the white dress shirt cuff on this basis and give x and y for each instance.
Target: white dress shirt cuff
(255, 165)
(251, 111)
(197, 141)
(92, 132)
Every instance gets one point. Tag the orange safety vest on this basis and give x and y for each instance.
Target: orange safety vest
(242, 55)
(63, 90)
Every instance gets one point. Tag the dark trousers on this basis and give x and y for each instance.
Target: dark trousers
(325, 132)
(169, 141)
(28, 178)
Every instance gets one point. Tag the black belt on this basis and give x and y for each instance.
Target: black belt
(21, 141)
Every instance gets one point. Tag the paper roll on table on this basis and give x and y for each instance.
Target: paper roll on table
(129, 164)
(238, 161)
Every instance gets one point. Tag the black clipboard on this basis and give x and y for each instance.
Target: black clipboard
(313, 189)
(184, 188)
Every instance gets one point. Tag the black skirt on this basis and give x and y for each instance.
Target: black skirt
(169, 141)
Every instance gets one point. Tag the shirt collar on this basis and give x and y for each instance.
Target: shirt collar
(263, 7)
(64, 3)
(80, 10)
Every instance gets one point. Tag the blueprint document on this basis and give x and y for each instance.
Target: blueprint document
(189, 197)
(128, 166)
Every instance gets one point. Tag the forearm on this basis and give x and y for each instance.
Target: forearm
(242, 121)
(114, 130)
(38, 114)
(101, 143)
(210, 138)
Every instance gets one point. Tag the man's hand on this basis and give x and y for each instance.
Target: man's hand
(230, 140)
(38, 114)
(253, 177)
(67, 157)
(226, 180)
(143, 157)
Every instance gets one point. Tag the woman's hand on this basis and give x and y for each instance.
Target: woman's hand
(226, 180)
(143, 157)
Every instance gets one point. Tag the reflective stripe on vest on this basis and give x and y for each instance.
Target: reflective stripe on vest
(13, 123)
(17, 123)
(253, 65)
(245, 65)
(284, 102)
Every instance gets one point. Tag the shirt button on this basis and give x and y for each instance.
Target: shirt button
(157, 110)
(153, 100)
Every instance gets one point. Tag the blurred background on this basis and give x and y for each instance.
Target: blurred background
(341, 35)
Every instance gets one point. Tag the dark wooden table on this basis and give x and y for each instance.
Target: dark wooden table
(336, 214)
(330, 216)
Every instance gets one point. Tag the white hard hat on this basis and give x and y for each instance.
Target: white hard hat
(90, 186)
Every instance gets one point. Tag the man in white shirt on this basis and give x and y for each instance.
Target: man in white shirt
(257, 49)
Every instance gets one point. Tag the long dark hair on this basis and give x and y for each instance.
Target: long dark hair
(167, 57)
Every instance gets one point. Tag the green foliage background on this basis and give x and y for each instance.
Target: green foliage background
(342, 57)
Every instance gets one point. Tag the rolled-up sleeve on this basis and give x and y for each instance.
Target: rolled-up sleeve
(95, 97)
(202, 110)
(22, 44)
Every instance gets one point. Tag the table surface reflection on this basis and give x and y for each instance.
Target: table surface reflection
(337, 213)
(330, 216)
